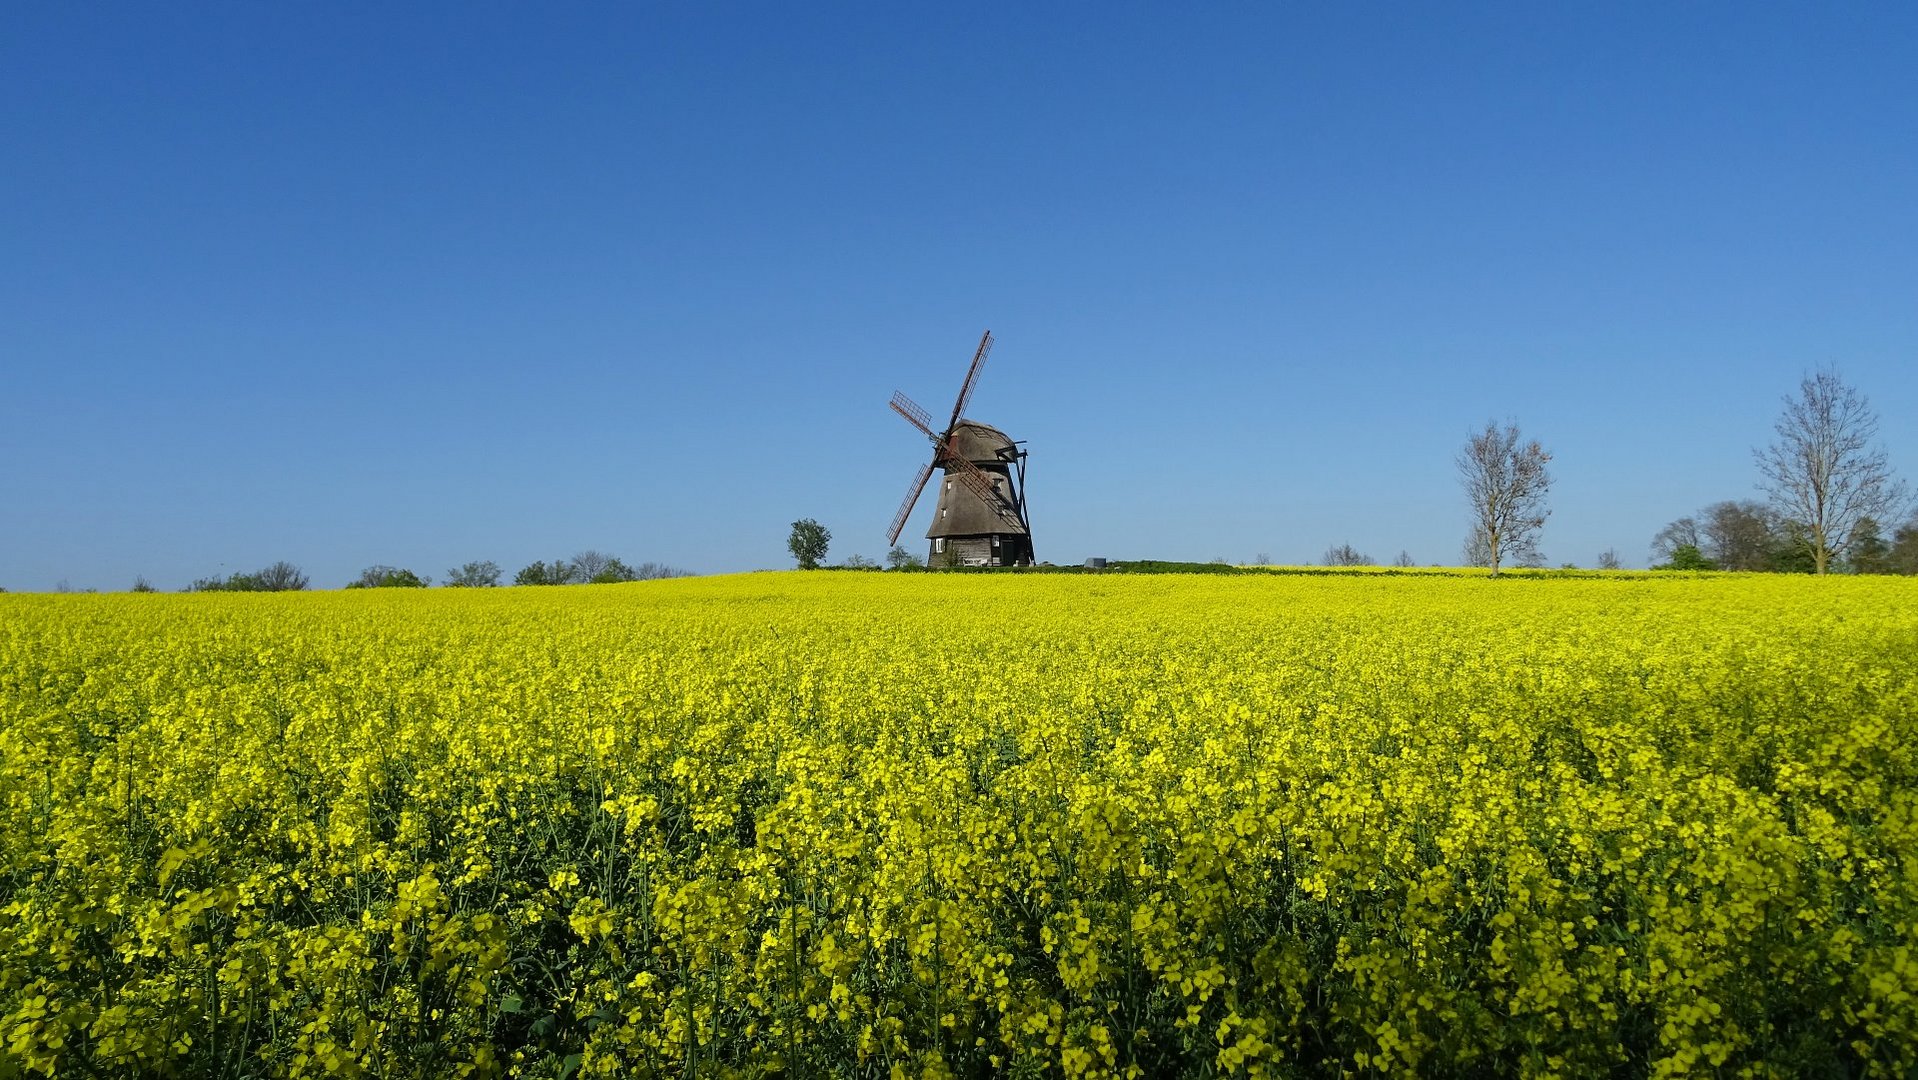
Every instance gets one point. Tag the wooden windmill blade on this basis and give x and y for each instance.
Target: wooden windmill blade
(905, 507)
(914, 415)
(972, 380)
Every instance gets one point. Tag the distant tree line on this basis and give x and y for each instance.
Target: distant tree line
(588, 567)
(1752, 536)
(280, 577)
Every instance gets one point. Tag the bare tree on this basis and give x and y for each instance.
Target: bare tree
(1478, 550)
(1869, 553)
(1608, 559)
(1506, 483)
(1404, 559)
(1904, 548)
(591, 563)
(652, 571)
(1740, 535)
(1677, 534)
(474, 575)
(381, 576)
(1347, 555)
(538, 573)
(282, 576)
(1823, 471)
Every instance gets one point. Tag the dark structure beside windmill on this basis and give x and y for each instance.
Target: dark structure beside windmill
(981, 516)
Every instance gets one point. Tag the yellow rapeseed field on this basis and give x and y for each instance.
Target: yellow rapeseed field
(914, 824)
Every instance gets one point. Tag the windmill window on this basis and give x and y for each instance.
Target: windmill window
(942, 511)
(939, 545)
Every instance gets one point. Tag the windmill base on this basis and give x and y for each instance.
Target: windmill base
(1000, 549)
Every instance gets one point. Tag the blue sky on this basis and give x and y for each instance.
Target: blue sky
(348, 284)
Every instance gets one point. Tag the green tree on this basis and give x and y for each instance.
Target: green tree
(1687, 557)
(1791, 551)
(612, 573)
(808, 543)
(901, 559)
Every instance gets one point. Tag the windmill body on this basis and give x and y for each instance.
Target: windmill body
(980, 518)
(968, 529)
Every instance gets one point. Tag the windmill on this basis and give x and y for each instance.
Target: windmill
(981, 516)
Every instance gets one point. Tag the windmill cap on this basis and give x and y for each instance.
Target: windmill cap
(978, 442)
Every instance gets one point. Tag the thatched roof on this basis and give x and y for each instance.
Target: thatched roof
(982, 442)
(961, 512)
